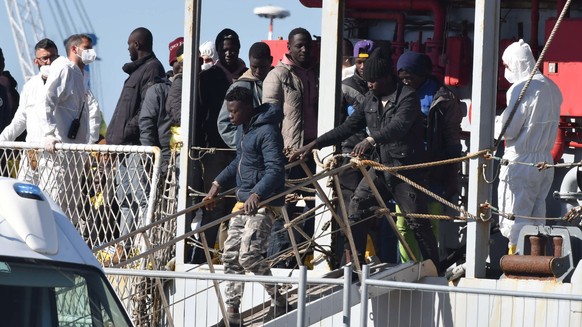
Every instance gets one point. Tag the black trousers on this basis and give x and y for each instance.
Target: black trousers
(410, 200)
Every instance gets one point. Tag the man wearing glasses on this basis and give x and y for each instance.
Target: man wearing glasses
(27, 117)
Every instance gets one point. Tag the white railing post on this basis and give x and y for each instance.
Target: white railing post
(364, 296)
(301, 296)
(347, 305)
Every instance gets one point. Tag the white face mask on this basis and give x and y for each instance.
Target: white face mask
(44, 71)
(88, 56)
(509, 76)
(206, 66)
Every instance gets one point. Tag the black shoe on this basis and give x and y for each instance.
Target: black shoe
(233, 317)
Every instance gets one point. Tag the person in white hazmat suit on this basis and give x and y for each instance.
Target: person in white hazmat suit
(529, 138)
(27, 116)
(71, 116)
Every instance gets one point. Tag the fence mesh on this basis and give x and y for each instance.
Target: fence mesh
(109, 192)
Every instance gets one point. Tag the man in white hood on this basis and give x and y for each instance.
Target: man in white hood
(529, 137)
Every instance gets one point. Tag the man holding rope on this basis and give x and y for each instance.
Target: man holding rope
(391, 112)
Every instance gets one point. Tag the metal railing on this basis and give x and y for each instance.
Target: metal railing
(370, 302)
(109, 193)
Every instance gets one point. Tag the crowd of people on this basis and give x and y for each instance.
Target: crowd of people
(259, 118)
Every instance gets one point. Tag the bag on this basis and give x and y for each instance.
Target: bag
(75, 124)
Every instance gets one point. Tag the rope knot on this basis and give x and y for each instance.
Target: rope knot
(542, 166)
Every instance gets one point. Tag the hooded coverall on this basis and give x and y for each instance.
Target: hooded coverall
(529, 138)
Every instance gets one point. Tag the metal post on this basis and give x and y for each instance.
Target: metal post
(347, 295)
(483, 95)
(329, 84)
(301, 296)
(193, 11)
(364, 296)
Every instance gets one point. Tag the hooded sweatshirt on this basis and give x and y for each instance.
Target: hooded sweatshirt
(225, 128)
(259, 166)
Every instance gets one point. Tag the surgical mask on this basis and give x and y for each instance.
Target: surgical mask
(88, 56)
(44, 71)
(206, 66)
(509, 76)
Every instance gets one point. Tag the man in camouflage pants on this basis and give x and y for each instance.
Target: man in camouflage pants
(259, 171)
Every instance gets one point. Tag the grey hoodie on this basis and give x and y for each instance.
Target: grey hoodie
(225, 128)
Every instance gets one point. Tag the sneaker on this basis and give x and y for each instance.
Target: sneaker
(233, 317)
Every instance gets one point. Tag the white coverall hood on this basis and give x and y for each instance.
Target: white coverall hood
(209, 49)
(519, 61)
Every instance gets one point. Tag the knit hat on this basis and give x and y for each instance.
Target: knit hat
(363, 48)
(226, 34)
(173, 47)
(415, 63)
(207, 49)
(377, 66)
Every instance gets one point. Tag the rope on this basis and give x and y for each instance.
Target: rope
(391, 169)
(512, 216)
(533, 72)
(423, 189)
(418, 215)
(205, 151)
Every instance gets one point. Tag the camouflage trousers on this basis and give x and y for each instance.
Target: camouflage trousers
(245, 250)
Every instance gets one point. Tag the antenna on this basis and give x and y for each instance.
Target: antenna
(271, 12)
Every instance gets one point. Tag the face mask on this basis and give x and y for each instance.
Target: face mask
(206, 66)
(509, 76)
(44, 71)
(88, 56)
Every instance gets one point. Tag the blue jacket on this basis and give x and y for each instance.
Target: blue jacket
(259, 166)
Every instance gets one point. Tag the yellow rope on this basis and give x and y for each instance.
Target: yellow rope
(418, 215)
(378, 166)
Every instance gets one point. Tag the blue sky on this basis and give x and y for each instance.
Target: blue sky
(112, 21)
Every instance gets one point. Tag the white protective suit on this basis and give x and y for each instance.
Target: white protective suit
(529, 138)
(65, 98)
(28, 117)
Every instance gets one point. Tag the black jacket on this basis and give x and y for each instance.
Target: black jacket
(443, 138)
(354, 90)
(123, 128)
(259, 166)
(396, 128)
(213, 86)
